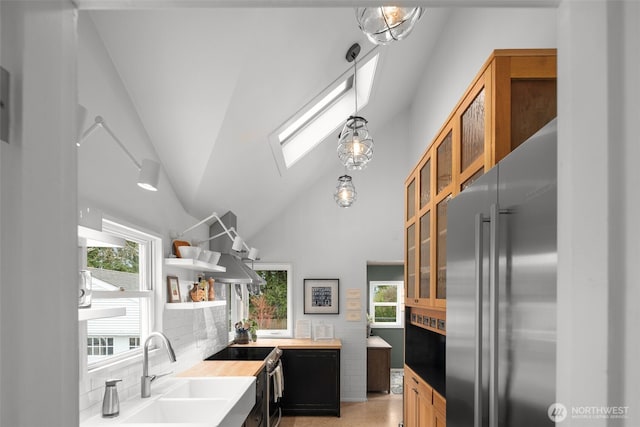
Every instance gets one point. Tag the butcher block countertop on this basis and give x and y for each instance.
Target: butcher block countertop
(291, 343)
(223, 368)
(243, 368)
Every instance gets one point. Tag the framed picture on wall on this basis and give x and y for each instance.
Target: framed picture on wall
(321, 296)
(173, 289)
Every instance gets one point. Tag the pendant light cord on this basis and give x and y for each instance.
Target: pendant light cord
(355, 82)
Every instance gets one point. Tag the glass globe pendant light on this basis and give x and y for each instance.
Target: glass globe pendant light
(345, 193)
(355, 145)
(386, 24)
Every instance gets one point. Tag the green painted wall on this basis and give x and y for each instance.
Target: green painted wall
(395, 336)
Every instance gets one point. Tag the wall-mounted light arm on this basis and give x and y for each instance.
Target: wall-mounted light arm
(252, 252)
(149, 170)
(199, 242)
(237, 240)
(213, 215)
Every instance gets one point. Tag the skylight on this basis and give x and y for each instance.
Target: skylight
(323, 115)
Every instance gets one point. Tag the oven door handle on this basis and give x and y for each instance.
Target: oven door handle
(278, 383)
(273, 371)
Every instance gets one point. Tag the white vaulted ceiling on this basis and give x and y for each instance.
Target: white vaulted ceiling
(211, 84)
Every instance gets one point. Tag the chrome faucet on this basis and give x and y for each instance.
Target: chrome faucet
(146, 380)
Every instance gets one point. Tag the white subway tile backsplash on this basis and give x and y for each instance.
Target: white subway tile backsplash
(194, 334)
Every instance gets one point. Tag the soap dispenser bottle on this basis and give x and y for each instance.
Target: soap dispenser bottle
(110, 402)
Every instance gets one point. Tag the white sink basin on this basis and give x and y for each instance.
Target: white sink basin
(180, 411)
(221, 388)
(210, 402)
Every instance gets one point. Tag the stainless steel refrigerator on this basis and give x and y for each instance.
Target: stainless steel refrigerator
(501, 291)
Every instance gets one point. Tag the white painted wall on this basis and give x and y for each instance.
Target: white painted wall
(626, 280)
(106, 177)
(38, 273)
(598, 232)
(322, 240)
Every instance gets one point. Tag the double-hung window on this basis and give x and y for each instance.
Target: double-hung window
(121, 277)
(386, 304)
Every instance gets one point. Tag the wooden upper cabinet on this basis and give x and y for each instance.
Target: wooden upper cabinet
(524, 96)
(512, 96)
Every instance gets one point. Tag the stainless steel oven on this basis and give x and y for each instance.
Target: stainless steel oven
(275, 388)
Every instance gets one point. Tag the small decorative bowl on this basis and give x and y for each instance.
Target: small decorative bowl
(189, 252)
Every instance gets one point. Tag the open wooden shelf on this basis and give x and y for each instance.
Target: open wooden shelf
(193, 264)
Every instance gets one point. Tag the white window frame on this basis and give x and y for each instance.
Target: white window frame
(150, 273)
(266, 333)
(279, 333)
(399, 323)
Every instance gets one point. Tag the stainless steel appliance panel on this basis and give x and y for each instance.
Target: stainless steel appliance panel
(462, 245)
(527, 282)
(501, 296)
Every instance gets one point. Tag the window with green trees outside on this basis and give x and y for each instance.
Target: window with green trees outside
(270, 304)
(385, 303)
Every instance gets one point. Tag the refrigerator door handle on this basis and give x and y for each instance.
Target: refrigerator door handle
(477, 391)
(494, 265)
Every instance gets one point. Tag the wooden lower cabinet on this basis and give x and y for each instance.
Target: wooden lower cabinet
(410, 406)
(378, 365)
(439, 410)
(439, 419)
(423, 406)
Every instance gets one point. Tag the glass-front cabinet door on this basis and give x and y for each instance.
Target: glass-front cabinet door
(444, 169)
(425, 184)
(425, 256)
(441, 252)
(410, 238)
(418, 229)
(411, 200)
(474, 147)
(472, 137)
(424, 231)
(410, 278)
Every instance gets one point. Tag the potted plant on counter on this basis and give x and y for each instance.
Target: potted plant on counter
(245, 330)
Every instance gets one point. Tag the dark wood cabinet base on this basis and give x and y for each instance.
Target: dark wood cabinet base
(312, 382)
